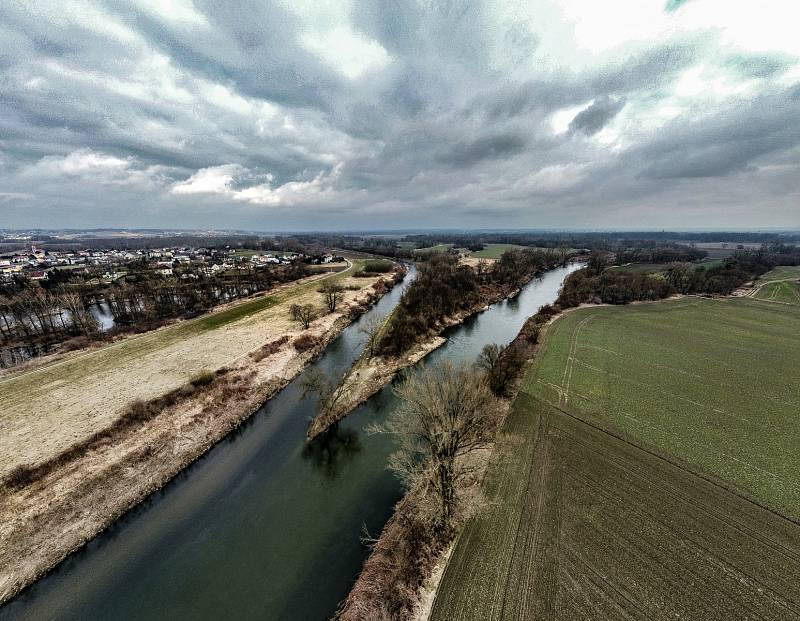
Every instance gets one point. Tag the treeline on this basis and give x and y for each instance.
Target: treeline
(619, 287)
(443, 288)
(36, 318)
(602, 240)
(659, 254)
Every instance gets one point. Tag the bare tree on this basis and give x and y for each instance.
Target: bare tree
(597, 263)
(304, 313)
(332, 291)
(82, 319)
(563, 254)
(501, 365)
(446, 413)
(328, 392)
(371, 326)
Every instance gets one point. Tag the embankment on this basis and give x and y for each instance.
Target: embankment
(55, 507)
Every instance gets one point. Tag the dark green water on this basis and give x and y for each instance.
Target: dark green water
(261, 527)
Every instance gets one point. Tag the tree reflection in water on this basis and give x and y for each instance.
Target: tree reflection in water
(332, 449)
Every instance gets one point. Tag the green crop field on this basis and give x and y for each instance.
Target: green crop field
(710, 382)
(583, 525)
(781, 285)
(622, 486)
(494, 251)
(436, 248)
(782, 272)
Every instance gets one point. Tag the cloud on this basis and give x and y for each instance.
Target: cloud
(595, 117)
(674, 5)
(7, 197)
(211, 180)
(88, 165)
(336, 114)
(231, 181)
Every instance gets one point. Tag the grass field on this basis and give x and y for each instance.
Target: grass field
(781, 285)
(48, 408)
(494, 251)
(587, 524)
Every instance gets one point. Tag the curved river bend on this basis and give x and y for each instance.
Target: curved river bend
(261, 527)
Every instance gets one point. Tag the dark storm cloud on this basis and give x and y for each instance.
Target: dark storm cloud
(115, 113)
(725, 142)
(596, 116)
(487, 147)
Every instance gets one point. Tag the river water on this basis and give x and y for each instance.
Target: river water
(261, 527)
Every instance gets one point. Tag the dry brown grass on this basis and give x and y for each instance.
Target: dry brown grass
(46, 409)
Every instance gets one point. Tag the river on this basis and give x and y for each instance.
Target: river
(261, 527)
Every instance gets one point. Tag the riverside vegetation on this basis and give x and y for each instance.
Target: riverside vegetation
(444, 293)
(413, 541)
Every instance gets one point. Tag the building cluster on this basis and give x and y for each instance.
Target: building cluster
(37, 263)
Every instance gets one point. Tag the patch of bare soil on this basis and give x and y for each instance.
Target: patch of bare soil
(44, 520)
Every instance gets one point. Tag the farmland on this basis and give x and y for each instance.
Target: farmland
(494, 251)
(780, 285)
(710, 382)
(583, 525)
(653, 519)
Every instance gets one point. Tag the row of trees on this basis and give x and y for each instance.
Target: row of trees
(444, 287)
(597, 284)
(36, 316)
(659, 254)
(32, 316)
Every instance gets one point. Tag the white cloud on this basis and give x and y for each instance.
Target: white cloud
(291, 193)
(211, 180)
(346, 51)
(219, 180)
(179, 11)
(89, 165)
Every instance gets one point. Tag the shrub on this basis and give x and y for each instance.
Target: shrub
(377, 266)
(304, 342)
(203, 378)
(269, 348)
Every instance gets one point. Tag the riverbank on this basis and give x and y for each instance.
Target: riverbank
(407, 562)
(370, 374)
(137, 453)
(45, 410)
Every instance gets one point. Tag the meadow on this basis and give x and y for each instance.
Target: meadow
(650, 446)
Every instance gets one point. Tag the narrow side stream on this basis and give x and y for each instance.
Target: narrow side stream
(261, 527)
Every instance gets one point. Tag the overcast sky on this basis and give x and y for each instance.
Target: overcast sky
(365, 114)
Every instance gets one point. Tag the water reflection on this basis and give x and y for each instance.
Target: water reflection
(332, 450)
